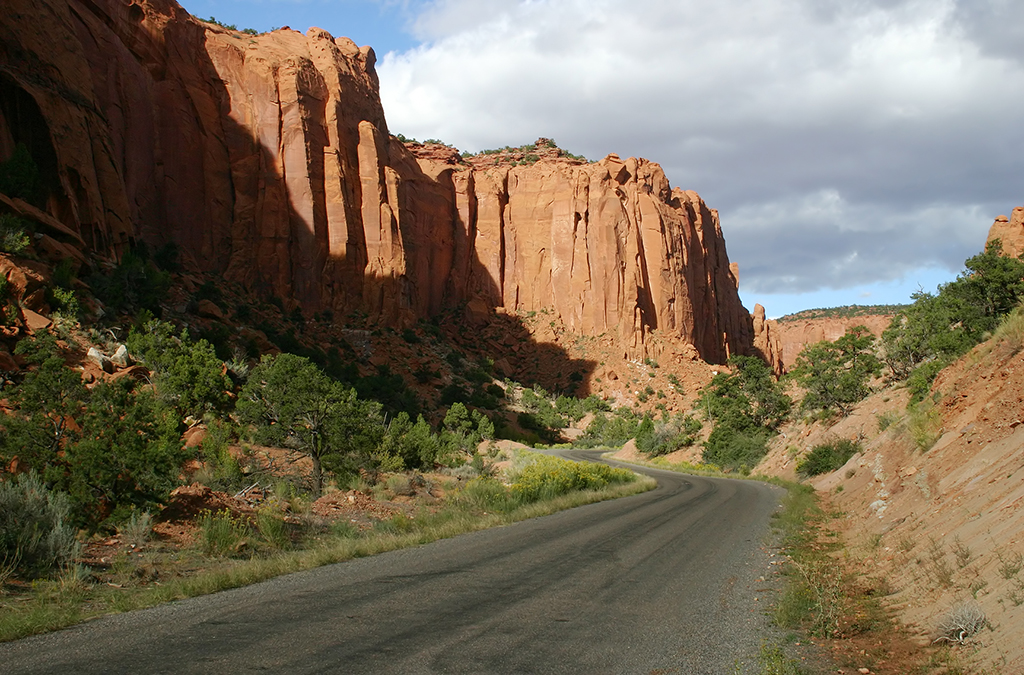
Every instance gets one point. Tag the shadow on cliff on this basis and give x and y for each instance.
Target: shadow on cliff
(434, 247)
(193, 176)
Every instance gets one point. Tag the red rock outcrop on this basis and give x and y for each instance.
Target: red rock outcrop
(268, 160)
(767, 343)
(1010, 231)
(794, 335)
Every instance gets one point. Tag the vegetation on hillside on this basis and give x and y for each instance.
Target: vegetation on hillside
(111, 448)
(835, 375)
(844, 312)
(745, 408)
(938, 328)
(107, 452)
(527, 153)
(231, 26)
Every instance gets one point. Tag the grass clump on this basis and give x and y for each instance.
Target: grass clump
(813, 597)
(221, 533)
(827, 457)
(771, 660)
(924, 425)
(137, 529)
(1011, 331)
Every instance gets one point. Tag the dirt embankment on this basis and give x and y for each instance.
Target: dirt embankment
(933, 503)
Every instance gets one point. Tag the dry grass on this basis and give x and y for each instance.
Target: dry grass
(962, 623)
(1011, 331)
(68, 600)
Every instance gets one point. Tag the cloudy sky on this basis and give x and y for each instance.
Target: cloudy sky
(857, 150)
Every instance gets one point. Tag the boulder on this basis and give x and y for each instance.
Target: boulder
(100, 359)
(34, 322)
(121, 357)
(210, 310)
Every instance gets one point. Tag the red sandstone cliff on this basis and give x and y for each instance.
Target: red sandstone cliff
(767, 341)
(268, 159)
(1010, 231)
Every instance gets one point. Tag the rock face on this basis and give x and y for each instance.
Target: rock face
(794, 335)
(267, 159)
(1010, 231)
(767, 343)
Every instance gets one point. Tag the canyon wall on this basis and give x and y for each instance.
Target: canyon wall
(267, 159)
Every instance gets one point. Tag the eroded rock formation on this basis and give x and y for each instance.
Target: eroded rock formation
(767, 342)
(268, 160)
(1009, 231)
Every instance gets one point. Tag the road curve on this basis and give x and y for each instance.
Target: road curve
(668, 581)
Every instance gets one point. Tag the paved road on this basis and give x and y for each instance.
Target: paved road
(661, 582)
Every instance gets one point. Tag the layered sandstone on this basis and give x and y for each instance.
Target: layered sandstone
(268, 160)
(1010, 232)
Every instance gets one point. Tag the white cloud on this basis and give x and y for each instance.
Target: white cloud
(841, 140)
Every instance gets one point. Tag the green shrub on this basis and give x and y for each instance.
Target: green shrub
(669, 436)
(134, 284)
(920, 381)
(941, 327)
(36, 535)
(167, 257)
(611, 430)
(546, 476)
(745, 407)
(65, 301)
(13, 237)
(886, 420)
(414, 443)
(736, 449)
(64, 274)
(8, 310)
(828, 456)
(111, 448)
(189, 375)
(925, 425)
(221, 471)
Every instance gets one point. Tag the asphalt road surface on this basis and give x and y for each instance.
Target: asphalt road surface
(669, 581)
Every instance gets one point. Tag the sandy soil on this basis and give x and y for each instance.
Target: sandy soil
(943, 526)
